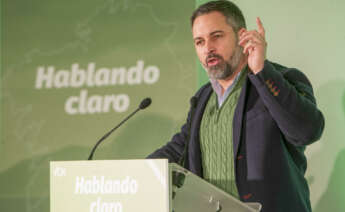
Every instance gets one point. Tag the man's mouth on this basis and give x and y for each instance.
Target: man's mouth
(212, 61)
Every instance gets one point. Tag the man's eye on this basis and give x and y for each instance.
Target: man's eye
(198, 43)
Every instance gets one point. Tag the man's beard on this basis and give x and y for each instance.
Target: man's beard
(224, 69)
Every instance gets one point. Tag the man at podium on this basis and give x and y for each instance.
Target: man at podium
(247, 128)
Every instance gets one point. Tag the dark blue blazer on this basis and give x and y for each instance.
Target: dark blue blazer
(275, 118)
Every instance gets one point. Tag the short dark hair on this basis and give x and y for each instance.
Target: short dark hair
(232, 13)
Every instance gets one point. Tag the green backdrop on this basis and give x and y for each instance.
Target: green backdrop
(148, 43)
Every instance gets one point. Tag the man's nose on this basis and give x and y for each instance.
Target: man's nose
(210, 48)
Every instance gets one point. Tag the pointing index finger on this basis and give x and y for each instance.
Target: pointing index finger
(261, 29)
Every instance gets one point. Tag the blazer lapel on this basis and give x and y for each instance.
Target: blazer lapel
(194, 150)
(238, 117)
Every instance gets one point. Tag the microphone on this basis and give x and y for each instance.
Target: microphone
(193, 102)
(144, 104)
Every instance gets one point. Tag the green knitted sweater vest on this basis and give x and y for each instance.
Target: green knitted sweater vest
(216, 141)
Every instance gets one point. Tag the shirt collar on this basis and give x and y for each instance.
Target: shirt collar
(217, 88)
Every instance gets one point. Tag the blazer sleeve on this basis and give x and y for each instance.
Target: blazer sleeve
(288, 96)
(174, 149)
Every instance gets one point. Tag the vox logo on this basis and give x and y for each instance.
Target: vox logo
(59, 172)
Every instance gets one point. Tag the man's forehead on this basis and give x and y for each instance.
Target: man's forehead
(205, 25)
